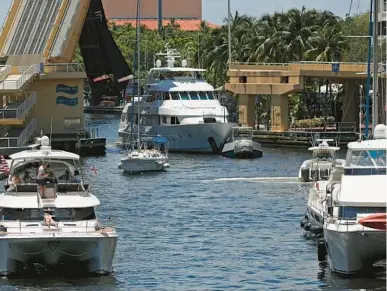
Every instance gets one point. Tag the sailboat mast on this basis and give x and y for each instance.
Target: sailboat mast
(375, 88)
(138, 71)
(368, 81)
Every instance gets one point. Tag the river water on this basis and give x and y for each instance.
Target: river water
(208, 223)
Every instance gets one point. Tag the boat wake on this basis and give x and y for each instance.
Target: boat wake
(288, 180)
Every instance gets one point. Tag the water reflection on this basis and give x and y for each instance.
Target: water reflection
(373, 279)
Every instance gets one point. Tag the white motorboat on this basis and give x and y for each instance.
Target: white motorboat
(150, 156)
(355, 216)
(177, 104)
(319, 193)
(55, 224)
(241, 145)
(325, 159)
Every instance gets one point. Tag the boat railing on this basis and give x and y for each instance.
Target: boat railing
(27, 227)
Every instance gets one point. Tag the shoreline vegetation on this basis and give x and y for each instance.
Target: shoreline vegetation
(292, 36)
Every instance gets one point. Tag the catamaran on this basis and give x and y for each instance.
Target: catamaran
(55, 224)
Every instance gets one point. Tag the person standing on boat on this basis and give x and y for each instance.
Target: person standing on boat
(41, 178)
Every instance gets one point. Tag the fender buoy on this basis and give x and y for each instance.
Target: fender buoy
(316, 229)
(307, 226)
(321, 251)
(303, 222)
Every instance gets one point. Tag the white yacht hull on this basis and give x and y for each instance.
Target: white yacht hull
(93, 252)
(184, 138)
(314, 216)
(353, 251)
(143, 165)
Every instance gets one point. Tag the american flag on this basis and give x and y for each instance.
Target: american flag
(3, 165)
(94, 169)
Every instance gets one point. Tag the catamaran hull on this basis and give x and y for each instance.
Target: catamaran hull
(352, 252)
(190, 138)
(142, 165)
(92, 254)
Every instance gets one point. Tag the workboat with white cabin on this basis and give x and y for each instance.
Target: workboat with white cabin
(355, 215)
(325, 159)
(150, 156)
(53, 224)
(179, 105)
(241, 145)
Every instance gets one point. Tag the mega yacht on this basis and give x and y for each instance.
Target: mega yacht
(179, 105)
(52, 224)
(324, 160)
(355, 216)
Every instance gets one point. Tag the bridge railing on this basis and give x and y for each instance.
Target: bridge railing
(22, 139)
(295, 63)
(64, 68)
(4, 72)
(328, 126)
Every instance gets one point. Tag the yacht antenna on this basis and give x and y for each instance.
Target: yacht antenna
(138, 73)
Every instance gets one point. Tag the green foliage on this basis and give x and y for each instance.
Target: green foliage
(297, 35)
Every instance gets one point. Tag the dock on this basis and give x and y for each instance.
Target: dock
(302, 138)
(103, 109)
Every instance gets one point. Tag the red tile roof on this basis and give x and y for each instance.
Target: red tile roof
(171, 9)
(185, 24)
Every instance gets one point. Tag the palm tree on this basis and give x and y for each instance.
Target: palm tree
(327, 44)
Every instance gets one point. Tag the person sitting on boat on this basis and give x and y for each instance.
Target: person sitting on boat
(41, 177)
(51, 178)
(16, 179)
(77, 177)
(66, 177)
(49, 220)
(27, 177)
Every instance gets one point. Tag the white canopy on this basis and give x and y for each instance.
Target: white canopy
(44, 154)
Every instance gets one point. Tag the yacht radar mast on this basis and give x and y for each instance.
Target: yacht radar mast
(170, 57)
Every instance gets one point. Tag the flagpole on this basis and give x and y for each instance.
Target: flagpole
(229, 32)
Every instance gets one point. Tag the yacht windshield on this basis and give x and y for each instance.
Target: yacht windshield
(366, 158)
(210, 95)
(184, 95)
(58, 171)
(202, 95)
(194, 95)
(175, 96)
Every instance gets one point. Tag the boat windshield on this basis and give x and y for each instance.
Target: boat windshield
(57, 170)
(60, 214)
(366, 158)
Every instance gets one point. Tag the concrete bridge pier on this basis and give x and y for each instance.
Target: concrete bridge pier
(279, 113)
(351, 101)
(246, 110)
